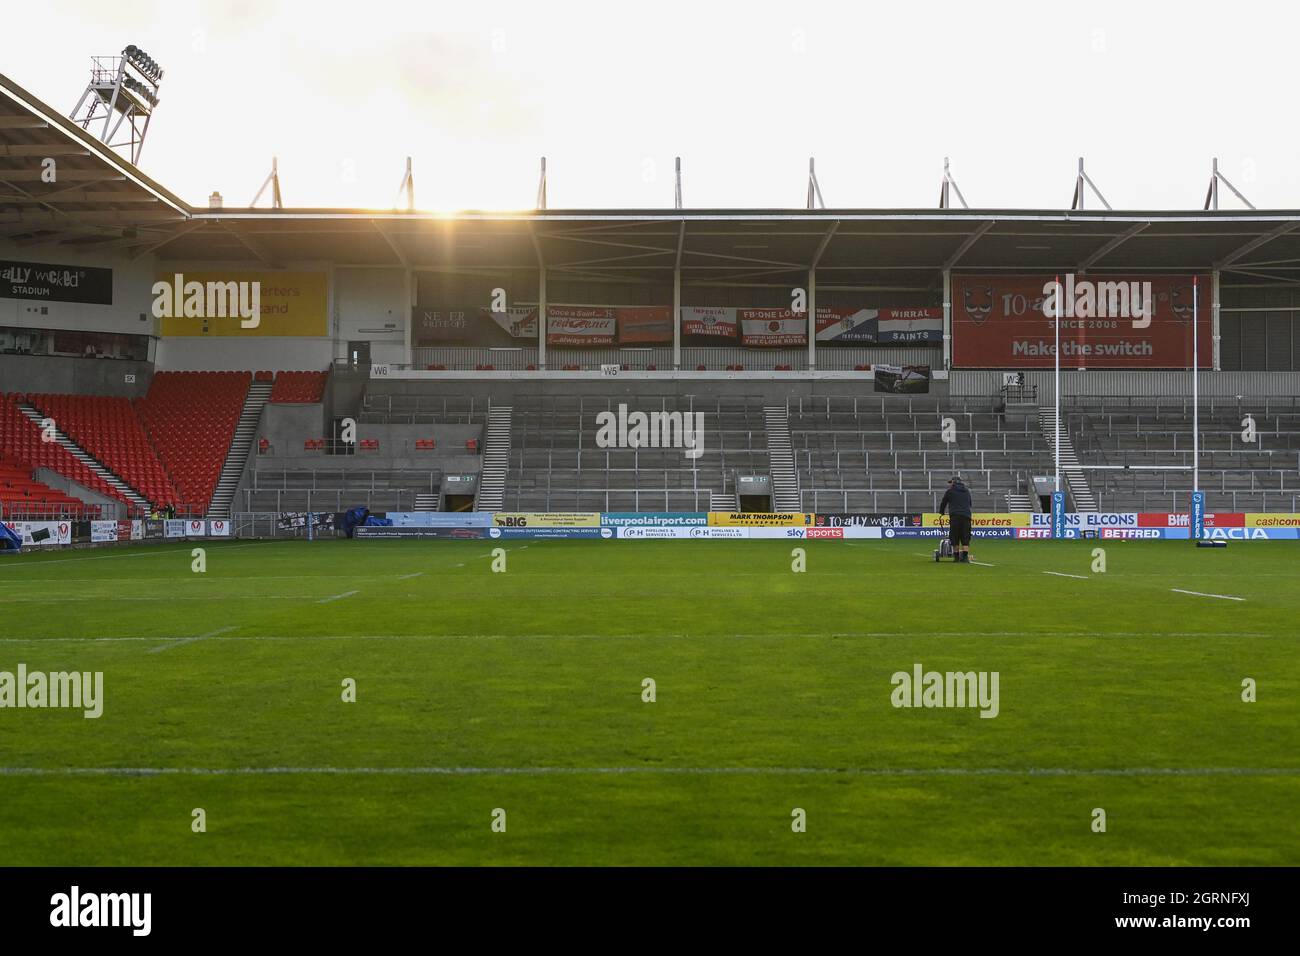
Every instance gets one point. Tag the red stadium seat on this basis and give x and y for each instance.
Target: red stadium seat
(299, 388)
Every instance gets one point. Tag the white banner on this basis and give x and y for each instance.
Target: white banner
(43, 532)
(218, 528)
(580, 325)
(772, 327)
(174, 528)
(103, 531)
(195, 528)
(715, 322)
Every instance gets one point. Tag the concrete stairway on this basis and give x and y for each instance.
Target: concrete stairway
(1075, 481)
(240, 447)
(725, 503)
(496, 459)
(785, 479)
(1019, 503)
(83, 456)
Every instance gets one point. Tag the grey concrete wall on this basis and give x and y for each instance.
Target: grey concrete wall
(35, 373)
(112, 508)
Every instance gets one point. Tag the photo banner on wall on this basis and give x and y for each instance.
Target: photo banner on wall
(204, 304)
(1110, 321)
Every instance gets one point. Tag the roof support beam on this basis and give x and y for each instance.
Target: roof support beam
(970, 241)
(42, 150)
(1255, 243)
(159, 243)
(250, 245)
(821, 246)
(1111, 246)
(392, 243)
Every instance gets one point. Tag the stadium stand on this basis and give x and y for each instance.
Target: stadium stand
(109, 430)
(883, 454)
(22, 496)
(1156, 434)
(273, 488)
(21, 443)
(191, 417)
(557, 465)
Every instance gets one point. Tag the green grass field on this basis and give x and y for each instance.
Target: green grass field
(523, 691)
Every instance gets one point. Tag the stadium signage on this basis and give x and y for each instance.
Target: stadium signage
(76, 690)
(843, 520)
(266, 304)
(648, 519)
(973, 689)
(758, 519)
(991, 519)
(55, 283)
(1121, 321)
(577, 519)
(209, 300)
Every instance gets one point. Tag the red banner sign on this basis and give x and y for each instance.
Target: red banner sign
(1128, 321)
(645, 324)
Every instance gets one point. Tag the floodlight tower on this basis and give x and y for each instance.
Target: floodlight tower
(120, 99)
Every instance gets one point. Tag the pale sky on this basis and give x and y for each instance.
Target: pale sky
(744, 92)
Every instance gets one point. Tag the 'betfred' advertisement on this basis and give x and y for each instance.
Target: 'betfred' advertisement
(1107, 321)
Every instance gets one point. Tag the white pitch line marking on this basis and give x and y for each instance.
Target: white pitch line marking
(637, 637)
(983, 564)
(1062, 574)
(191, 640)
(407, 577)
(336, 597)
(106, 557)
(683, 771)
(1222, 597)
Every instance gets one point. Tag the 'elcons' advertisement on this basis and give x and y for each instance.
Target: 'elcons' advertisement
(1114, 321)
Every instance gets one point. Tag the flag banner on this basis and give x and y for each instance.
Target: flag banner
(580, 325)
(708, 322)
(773, 328)
(1121, 321)
(848, 326)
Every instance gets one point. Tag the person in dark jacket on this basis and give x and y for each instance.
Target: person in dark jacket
(957, 502)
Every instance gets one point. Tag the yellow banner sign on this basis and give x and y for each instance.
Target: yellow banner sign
(989, 519)
(241, 303)
(1271, 520)
(528, 519)
(760, 519)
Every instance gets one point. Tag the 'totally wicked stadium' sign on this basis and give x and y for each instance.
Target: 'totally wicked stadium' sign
(1110, 321)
